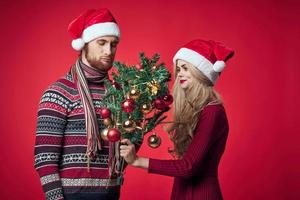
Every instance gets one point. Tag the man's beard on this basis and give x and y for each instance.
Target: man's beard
(96, 63)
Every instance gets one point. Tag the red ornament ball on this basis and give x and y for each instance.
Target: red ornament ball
(159, 104)
(168, 99)
(105, 113)
(166, 109)
(113, 135)
(128, 105)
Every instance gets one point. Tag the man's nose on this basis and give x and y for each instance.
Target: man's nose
(107, 49)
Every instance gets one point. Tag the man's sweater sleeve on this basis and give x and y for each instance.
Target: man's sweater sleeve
(51, 123)
(205, 135)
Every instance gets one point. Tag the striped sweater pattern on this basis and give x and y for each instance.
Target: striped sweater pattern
(61, 142)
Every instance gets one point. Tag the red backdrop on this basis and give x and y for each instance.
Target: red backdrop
(259, 87)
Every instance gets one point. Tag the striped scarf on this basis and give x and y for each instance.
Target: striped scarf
(82, 75)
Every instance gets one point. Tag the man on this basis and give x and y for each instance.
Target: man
(70, 157)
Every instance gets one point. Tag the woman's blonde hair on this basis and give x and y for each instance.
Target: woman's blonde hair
(187, 106)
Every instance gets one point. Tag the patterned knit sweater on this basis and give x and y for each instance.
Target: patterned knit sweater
(61, 141)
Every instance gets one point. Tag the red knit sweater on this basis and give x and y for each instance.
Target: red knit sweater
(196, 174)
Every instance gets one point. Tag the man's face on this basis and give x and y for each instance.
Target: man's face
(100, 53)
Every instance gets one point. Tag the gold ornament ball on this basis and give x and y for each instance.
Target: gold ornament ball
(154, 141)
(103, 134)
(134, 93)
(129, 125)
(153, 86)
(107, 121)
(154, 68)
(146, 108)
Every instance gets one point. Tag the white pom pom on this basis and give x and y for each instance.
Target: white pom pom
(219, 66)
(78, 44)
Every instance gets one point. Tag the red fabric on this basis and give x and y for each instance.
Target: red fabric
(222, 52)
(89, 18)
(210, 49)
(196, 174)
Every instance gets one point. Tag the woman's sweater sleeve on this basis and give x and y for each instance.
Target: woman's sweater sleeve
(205, 135)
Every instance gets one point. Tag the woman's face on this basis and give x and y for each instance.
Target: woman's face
(184, 75)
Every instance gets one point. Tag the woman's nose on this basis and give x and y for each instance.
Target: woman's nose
(180, 74)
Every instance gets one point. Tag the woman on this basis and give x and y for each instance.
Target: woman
(200, 130)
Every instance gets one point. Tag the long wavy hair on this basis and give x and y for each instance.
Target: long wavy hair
(187, 106)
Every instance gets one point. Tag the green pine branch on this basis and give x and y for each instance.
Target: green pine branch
(128, 78)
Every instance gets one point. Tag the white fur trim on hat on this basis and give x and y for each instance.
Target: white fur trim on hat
(199, 61)
(101, 29)
(78, 44)
(95, 31)
(219, 66)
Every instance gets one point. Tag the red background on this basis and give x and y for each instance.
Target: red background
(259, 87)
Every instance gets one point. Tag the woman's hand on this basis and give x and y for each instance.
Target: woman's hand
(127, 151)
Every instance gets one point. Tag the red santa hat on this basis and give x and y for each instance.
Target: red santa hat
(90, 25)
(207, 56)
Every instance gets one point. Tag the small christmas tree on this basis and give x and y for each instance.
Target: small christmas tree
(135, 100)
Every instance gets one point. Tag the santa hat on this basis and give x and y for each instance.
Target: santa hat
(91, 25)
(207, 56)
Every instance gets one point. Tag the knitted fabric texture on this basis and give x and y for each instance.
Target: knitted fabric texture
(61, 143)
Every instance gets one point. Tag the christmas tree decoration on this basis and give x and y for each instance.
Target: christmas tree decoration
(116, 85)
(139, 126)
(168, 99)
(103, 134)
(146, 108)
(154, 68)
(159, 104)
(138, 67)
(130, 96)
(105, 113)
(134, 93)
(154, 141)
(107, 121)
(113, 135)
(128, 105)
(129, 125)
(153, 87)
(141, 86)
